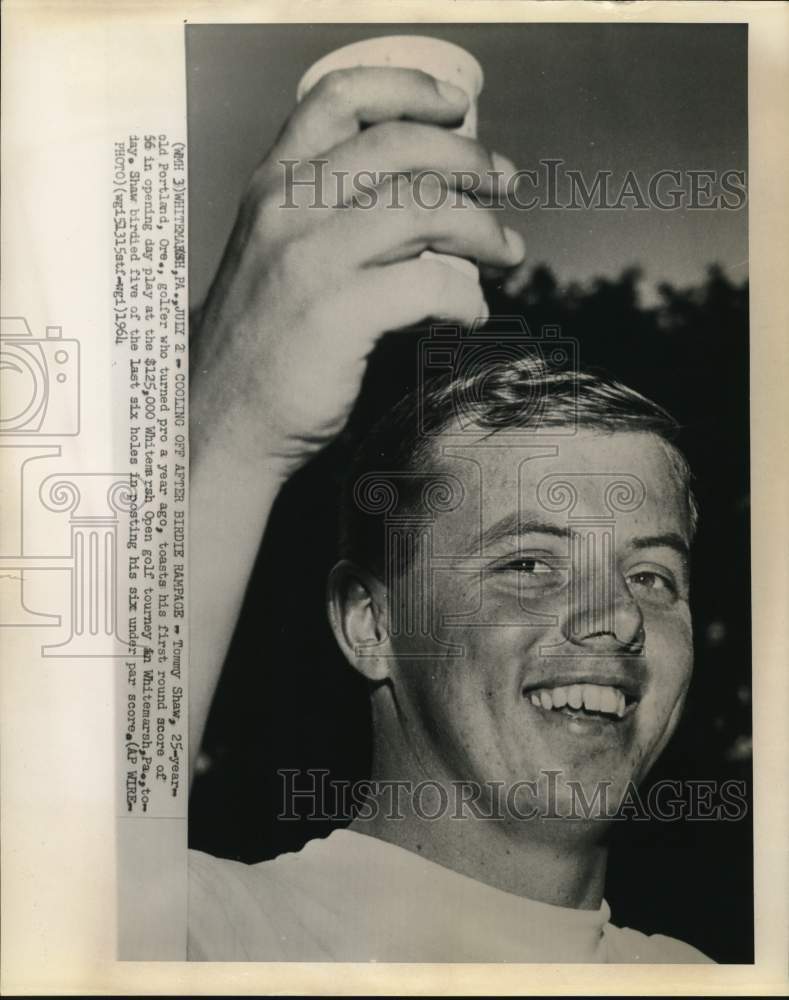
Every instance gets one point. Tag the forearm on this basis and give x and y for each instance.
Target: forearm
(233, 486)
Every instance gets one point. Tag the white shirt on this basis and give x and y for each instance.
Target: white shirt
(355, 898)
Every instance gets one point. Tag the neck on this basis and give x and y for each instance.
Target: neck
(530, 858)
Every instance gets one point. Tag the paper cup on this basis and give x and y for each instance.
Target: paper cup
(443, 60)
(440, 59)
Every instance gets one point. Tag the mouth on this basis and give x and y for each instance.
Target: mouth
(588, 701)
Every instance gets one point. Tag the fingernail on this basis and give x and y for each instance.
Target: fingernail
(515, 243)
(503, 163)
(451, 93)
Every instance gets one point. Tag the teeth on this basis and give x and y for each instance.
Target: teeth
(608, 700)
(593, 697)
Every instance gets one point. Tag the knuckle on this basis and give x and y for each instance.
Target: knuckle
(431, 182)
(404, 190)
(305, 267)
(334, 87)
(387, 134)
(428, 190)
(422, 81)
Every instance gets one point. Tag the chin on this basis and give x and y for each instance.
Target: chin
(591, 793)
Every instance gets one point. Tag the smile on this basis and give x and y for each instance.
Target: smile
(603, 702)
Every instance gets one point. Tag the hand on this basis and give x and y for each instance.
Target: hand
(303, 293)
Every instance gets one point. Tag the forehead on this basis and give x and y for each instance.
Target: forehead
(626, 477)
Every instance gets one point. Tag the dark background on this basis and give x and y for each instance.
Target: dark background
(665, 309)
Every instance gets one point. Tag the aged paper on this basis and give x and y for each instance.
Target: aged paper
(129, 134)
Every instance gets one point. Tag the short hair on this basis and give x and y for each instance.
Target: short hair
(520, 394)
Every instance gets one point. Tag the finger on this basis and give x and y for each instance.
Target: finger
(398, 147)
(406, 219)
(346, 100)
(517, 280)
(404, 294)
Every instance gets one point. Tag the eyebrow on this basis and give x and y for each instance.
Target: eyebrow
(514, 525)
(669, 540)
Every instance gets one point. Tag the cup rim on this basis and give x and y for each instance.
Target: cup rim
(418, 48)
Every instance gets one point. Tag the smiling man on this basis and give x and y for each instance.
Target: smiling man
(516, 594)
(536, 630)
(514, 585)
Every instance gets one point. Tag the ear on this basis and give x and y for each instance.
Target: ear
(357, 613)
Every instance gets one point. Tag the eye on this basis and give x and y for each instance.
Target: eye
(533, 575)
(530, 566)
(657, 586)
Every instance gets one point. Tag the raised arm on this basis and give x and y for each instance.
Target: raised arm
(301, 297)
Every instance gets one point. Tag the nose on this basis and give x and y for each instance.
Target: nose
(601, 606)
(628, 619)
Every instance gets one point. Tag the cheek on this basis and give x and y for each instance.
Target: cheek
(465, 697)
(672, 639)
(670, 655)
(454, 711)
(498, 640)
(491, 614)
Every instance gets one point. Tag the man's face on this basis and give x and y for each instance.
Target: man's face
(570, 606)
